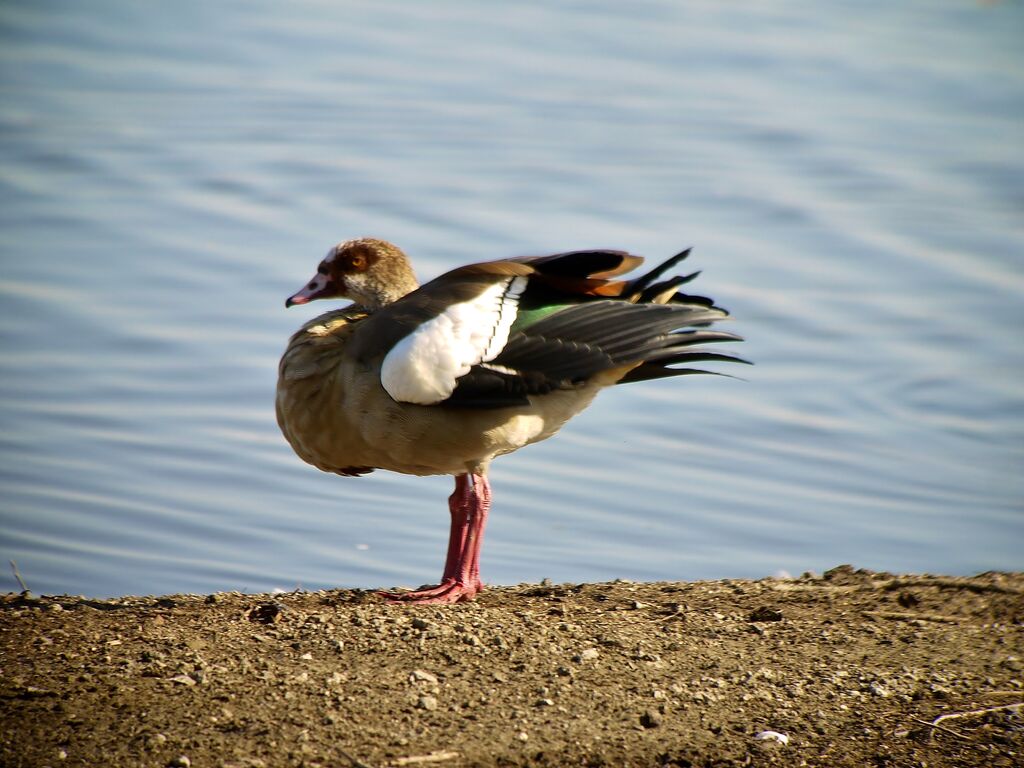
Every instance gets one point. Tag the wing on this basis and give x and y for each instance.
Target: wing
(566, 349)
(494, 334)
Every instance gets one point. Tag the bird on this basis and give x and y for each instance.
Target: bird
(442, 378)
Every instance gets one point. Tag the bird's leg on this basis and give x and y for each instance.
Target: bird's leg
(469, 505)
(481, 501)
(459, 504)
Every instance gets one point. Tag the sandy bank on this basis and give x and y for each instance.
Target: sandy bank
(850, 669)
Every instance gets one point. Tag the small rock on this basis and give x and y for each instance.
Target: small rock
(55, 607)
(34, 692)
(181, 761)
(651, 718)
(523, 736)
(422, 676)
(306, 657)
(421, 624)
(772, 736)
(157, 740)
(428, 703)
(183, 680)
(907, 599)
(764, 613)
(266, 613)
(587, 655)
(544, 703)
(840, 571)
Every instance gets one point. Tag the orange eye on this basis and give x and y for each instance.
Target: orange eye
(358, 261)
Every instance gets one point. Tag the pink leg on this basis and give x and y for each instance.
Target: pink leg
(469, 505)
(460, 505)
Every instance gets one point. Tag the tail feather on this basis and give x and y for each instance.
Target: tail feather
(637, 286)
(651, 372)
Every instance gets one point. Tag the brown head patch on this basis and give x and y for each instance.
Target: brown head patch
(355, 257)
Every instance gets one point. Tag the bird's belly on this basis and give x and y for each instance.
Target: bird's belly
(352, 429)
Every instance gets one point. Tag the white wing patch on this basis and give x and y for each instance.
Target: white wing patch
(423, 367)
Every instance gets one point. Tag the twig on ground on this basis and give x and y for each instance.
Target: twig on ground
(937, 722)
(973, 712)
(433, 757)
(356, 762)
(901, 616)
(17, 575)
(932, 724)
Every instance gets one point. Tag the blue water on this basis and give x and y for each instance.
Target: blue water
(851, 177)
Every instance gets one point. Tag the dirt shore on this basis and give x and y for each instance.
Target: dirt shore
(848, 669)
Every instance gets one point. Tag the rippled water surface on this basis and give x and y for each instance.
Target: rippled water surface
(850, 176)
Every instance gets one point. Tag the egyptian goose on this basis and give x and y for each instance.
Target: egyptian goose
(487, 358)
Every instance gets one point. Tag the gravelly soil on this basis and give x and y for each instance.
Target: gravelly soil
(853, 668)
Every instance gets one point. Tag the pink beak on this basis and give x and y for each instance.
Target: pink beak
(316, 288)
